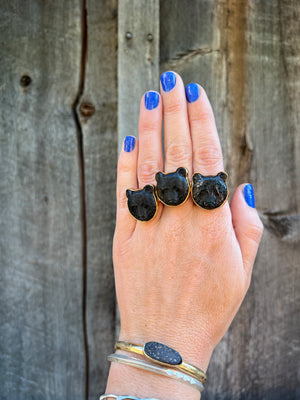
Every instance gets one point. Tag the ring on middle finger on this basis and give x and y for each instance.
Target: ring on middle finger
(173, 189)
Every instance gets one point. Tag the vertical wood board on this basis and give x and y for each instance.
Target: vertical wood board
(100, 146)
(138, 60)
(42, 353)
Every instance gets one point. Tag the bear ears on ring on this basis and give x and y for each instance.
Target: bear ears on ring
(147, 188)
(180, 171)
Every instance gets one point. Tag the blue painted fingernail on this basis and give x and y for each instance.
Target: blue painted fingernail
(151, 100)
(168, 81)
(249, 195)
(129, 143)
(192, 92)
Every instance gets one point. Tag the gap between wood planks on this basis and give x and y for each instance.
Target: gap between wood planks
(75, 107)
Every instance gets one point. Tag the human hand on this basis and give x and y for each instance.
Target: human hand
(181, 277)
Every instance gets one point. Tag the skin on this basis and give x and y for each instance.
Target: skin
(180, 278)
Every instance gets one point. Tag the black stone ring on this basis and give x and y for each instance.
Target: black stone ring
(173, 189)
(209, 192)
(142, 203)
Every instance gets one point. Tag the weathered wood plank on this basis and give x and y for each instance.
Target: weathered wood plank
(42, 353)
(245, 56)
(138, 59)
(100, 148)
(190, 44)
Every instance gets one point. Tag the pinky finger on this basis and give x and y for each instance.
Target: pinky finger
(126, 179)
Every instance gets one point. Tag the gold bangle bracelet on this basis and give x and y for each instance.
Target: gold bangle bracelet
(156, 351)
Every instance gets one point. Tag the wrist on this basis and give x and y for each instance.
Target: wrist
(128, 380)
(125, 380)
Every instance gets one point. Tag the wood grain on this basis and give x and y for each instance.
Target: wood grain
(42, 353)
(100, 147)
(138, 59)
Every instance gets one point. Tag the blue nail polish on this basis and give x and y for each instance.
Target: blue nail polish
(129, 143)
(151, 100)
(249, 195)
(168, 81)
(192, 92)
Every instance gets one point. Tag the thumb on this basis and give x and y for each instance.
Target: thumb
(247, 224)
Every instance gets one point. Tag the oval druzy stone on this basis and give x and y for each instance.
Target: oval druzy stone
(162, 353)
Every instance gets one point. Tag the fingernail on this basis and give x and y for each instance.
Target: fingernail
(129, 143)
(249, 195)
(192, 92)
(168, 81)
(151, 100)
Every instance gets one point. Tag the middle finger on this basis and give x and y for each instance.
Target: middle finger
(177, 138)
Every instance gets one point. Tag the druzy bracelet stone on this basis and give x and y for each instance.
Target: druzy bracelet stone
(164, 355)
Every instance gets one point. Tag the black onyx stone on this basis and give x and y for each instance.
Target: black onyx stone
(162, 353)
(209, 192)
(173, 189)
(142, 203)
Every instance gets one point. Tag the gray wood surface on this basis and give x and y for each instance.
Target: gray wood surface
(41, 347)
(138, 59)
(100, 147)
(59, 140)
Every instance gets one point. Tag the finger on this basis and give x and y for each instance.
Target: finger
(207, 153)
(126, 179)
(150, 158)
(177, 139)
(247, 224)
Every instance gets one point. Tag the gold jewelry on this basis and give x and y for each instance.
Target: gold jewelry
(173, 189)
(142, 203)
(209, 192)
(164, 355)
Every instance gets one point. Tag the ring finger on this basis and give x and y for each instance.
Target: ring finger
(207, 152)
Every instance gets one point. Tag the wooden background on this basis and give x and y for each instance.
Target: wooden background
(70, 86)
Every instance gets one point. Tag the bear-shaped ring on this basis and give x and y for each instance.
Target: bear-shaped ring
(142, 203)
(173, 189)
(209, 192)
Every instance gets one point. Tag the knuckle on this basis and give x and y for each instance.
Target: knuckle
(203, 117)
(124, 167)
(174, 107)
(255, 231)
(149, 126)
(209, 154)
(123, 199)
(179, 154)
(147, 170)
